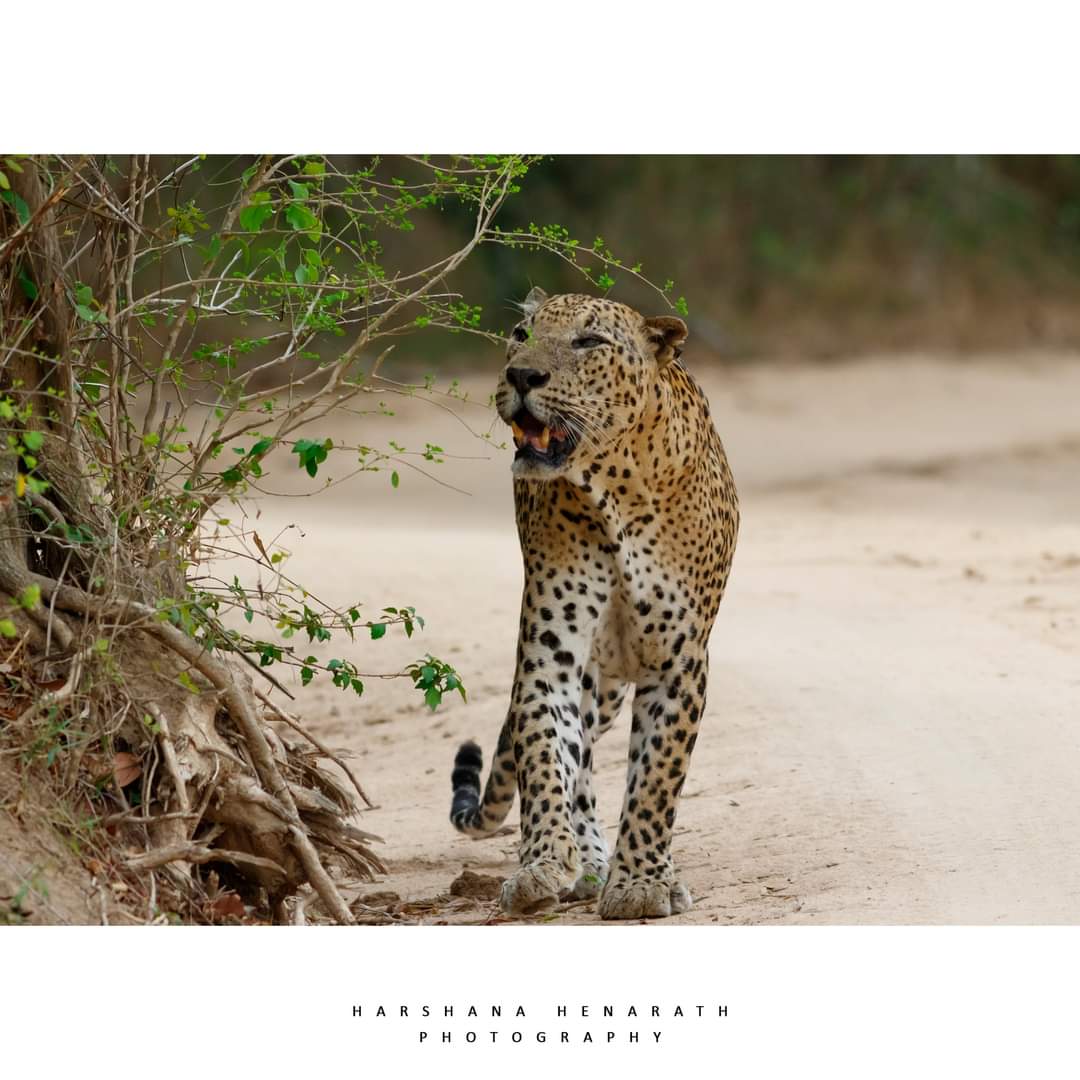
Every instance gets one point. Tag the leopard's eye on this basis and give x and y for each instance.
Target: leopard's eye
(520, 333)
(588, 341)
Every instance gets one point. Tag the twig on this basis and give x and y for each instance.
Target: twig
(198, 854)
(168, 749)
(129, 817)
(319, 745)
(151, 900)
(52, 604)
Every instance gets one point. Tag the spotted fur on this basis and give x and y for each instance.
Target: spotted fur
(627, 517)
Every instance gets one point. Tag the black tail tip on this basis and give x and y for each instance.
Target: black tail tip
(469, 756)
(465, 779)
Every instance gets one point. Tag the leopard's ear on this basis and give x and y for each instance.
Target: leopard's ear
(533, 301)
(666, 335)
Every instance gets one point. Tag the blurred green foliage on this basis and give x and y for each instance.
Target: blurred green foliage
(820, 255)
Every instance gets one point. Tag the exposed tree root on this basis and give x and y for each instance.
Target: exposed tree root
(220, 787)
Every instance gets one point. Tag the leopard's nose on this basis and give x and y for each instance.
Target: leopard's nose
(525, 379)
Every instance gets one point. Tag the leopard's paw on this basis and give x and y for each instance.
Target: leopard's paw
(533, 887)
(643, 898)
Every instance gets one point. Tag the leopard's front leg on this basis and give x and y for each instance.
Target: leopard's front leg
(546, 727)
(601, 699)
(667, 713)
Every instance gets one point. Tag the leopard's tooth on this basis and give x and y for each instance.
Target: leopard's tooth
(545, 438)
(519, 435)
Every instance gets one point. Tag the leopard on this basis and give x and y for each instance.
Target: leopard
(627, 517)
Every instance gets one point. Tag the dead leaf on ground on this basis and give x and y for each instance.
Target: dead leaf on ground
(127, 768)
(227, 904)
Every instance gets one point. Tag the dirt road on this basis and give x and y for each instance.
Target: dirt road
(892, 733)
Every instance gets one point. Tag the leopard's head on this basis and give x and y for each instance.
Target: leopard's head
(580, 373)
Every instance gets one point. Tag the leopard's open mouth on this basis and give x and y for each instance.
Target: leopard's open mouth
(535, 441)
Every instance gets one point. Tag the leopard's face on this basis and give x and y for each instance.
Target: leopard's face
(578, 375)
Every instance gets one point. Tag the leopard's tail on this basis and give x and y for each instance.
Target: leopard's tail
(471, 814)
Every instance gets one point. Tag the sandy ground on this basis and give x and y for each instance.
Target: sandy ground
(891, 734)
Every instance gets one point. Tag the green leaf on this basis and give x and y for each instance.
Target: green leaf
(30, 597)
(253, 217)
(306, 675)
(433, 697)
(312, 454)
(18, 203)
(378, 630)
(187, 682)
(26, 283)
(302, 219)
(394, 479)
(33, 440)
(8, 629)
(5, 183)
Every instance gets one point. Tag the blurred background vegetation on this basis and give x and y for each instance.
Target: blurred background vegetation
(811, 256)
